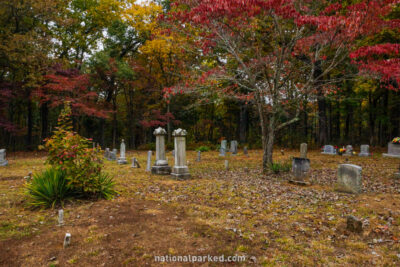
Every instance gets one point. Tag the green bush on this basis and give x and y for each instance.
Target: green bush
(278, 167)
(203, 148)
(106, 186)
(49, 188)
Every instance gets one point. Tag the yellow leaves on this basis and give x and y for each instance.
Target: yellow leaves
(143, 17)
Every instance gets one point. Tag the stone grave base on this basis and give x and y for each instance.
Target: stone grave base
(363, 154)
(161, 170)
(297, 182)
(122, 161)
(180, 173)
(326, 153)
(391, 155)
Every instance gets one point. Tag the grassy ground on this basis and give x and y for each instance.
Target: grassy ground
(235, 212)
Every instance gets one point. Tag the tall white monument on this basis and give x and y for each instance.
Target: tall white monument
(122, 157)
(180, 169)
(161, 165)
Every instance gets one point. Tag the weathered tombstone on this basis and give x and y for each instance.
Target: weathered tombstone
(107, 153)
(349, 150)
(3, 161)
(180, 170)
(122, 158)
(245, 152)
(349, 179)
(60, 217)
(113, 155)
(393, 150)
(364, 151)
(300, 168)
(67, 240)
(149, 153)
(135, 163)
(226, 164)
(198, 156)
(234, 147)
(222, 150)
(161, 165)
(329, 150)
(303, 151)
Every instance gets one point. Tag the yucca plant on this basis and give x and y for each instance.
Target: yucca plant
(278, 167)
(48, 189)
(106, 186)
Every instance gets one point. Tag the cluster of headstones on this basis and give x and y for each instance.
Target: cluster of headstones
(233, 148)
(330, 150)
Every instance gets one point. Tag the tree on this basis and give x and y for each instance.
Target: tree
(275, 53)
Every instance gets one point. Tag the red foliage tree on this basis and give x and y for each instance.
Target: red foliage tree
(280, 52)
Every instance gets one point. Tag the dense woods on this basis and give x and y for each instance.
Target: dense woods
(210, 67)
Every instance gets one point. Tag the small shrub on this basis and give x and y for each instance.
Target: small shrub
(203, 149)
(106, 186)
(278, 167)
(48, 188)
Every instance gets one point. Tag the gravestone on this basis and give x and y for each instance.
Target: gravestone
(67, 240)
(226, 164)
(349, 178)
(364, 151)
(329, 150)
(180, 169)
(198, 156)
(234, 147)
(300, 168)
(245, 152)
(3, 161)
(161, 165)
(135, 163)
(107, 153)
(349, 150)
(122, 157)
(60, 217)
(303, 151)
(222, 150)
(148, 168)
(393, 150)
(113, 155)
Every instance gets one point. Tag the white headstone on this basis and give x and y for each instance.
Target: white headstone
(349, 178)
(393, 150)
(329, 150)
(234, 147)
(3, 161)
(198, 156)
(180, 169)
(364, 151)
(303, 150)
(60, 217)
(222, 151)
(161, 165)
(148, 166)
(67, 240)
(122, 158)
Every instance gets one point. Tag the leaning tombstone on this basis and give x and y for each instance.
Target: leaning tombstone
(222, 150)
(3, 161)
(349, 179)
(161, 165)
(122, 158)
(349, 150)
(180, 169)
(393, 148)
(135, 163)
(245, 152)
(198, 156)
(364, 151)
(148, 168)
(303, 151)
(234, 147)
(329, 150)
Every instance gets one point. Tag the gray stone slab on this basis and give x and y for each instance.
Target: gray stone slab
(349, 179)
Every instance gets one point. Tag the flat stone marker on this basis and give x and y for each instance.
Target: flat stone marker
(364, 151)
(222, 150)
(245, 152)
(234, 147)
(349, 179)
(198, 156)
(161, 165)
(3, 161)
(349, 150)
(122, 157)
(180, 169)
(148, 166)
(393, 150)
(303, 150)
(329, 150)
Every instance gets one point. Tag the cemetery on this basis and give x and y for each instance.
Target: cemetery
(199, 133)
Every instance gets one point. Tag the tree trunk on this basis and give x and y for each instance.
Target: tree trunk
(243, 123)
(114, 123)
(44, 111)
(29, 125)
(322, 121)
